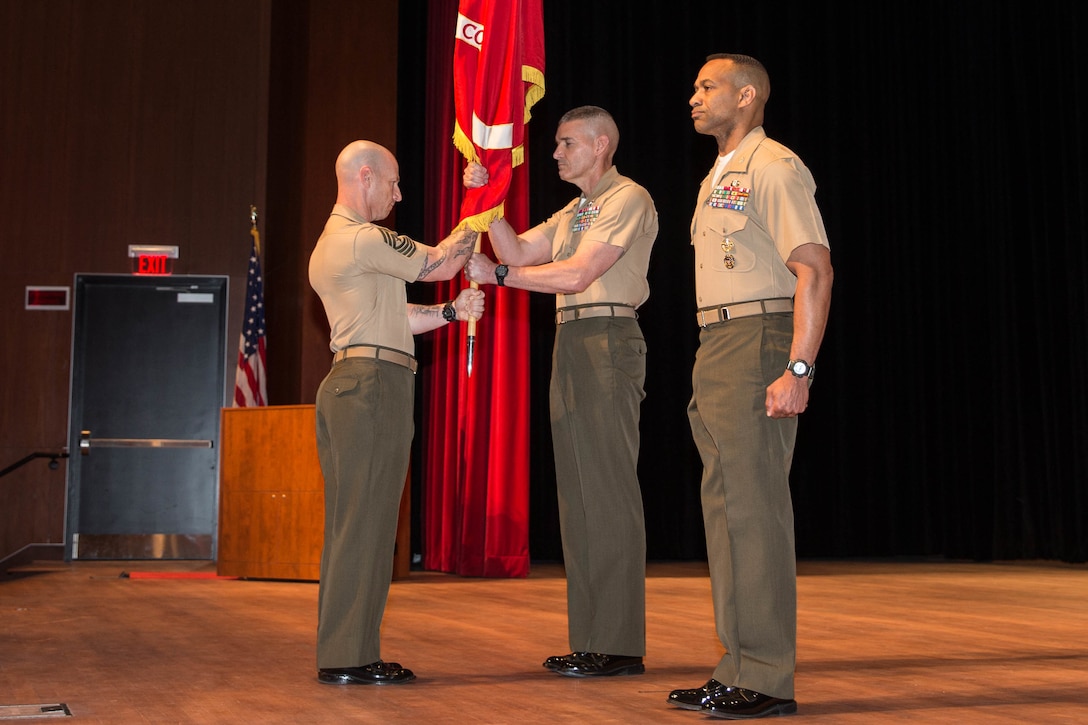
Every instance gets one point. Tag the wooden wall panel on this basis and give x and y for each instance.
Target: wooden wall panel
(121, 122)
(335, 65)
(131, 122)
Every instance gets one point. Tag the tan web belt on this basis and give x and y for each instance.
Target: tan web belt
(378, 353)
(723, 313)
(580, 312)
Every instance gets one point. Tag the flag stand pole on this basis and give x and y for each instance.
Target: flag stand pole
(253, 228)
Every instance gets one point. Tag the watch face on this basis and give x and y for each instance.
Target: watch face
(800, 367)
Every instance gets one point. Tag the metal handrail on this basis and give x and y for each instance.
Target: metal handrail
(53, 463)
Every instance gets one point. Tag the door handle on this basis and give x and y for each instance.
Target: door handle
(86, 441)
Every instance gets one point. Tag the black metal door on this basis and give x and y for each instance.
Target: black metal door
(148, 372)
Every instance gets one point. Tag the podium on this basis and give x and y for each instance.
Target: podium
(272, 496)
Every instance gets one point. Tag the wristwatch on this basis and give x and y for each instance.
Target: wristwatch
(448, 312)
(500, 275)
(800, 368)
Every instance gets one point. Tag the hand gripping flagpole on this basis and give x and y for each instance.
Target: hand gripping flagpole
(471, 340)
(478, 223)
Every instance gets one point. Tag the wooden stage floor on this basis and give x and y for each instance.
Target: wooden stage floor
(879, 642)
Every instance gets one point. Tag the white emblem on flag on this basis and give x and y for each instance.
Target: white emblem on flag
(499, 136)
(470, 31)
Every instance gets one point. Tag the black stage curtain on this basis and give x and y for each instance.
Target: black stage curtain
(948, 417)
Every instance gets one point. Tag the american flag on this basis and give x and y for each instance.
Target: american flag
(249, 382)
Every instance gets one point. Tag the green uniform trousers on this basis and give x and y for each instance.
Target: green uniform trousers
(364, 437)
(747, 509)
(598, 373)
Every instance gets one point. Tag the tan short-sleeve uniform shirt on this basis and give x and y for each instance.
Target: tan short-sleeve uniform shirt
(360, 270)
(618, 212)
(749, 218)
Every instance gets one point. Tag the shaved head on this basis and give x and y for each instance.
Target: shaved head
(367, 179)
(358, 154)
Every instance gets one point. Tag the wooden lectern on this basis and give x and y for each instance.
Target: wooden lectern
(272, 496)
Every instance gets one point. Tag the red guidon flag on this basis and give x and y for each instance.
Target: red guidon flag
(498, 74)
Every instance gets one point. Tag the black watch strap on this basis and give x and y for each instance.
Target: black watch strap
(500, 275)
(448, 312)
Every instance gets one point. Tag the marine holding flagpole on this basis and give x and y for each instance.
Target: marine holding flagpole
(364, 407)
(593, 254)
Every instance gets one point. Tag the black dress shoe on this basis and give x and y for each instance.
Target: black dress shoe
(376, 673)
(557, 661)
(695, 699)
(595, 664)
(737, 703)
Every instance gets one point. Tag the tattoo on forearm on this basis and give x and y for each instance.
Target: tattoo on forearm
(425, 311)
(461, 247)
(468, 240)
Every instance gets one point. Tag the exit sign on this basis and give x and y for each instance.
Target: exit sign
(152, 259)
(152, 264)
